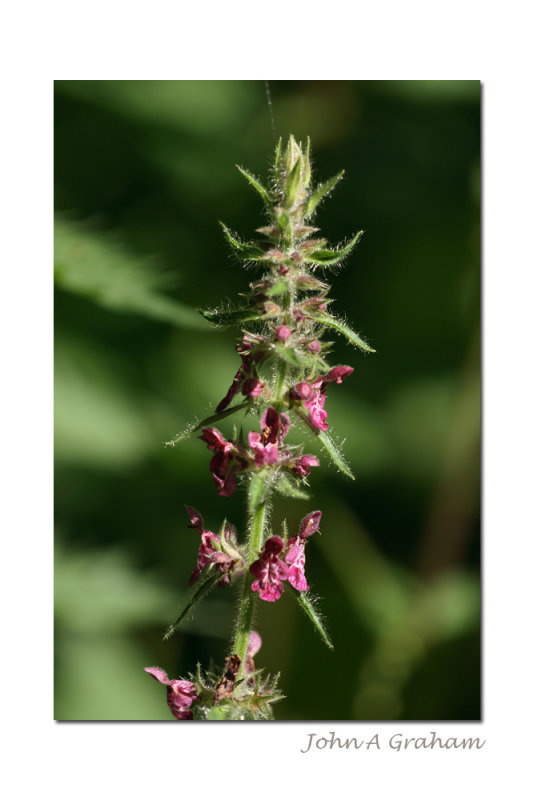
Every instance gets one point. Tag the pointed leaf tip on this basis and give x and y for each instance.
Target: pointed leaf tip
(327, 258)
(308, 604)
(262, 191)
(335, 454)
(339, 326)
(322, 191)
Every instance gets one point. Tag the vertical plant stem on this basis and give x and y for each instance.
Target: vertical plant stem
(248, 599)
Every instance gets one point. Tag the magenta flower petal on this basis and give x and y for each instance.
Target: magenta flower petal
(303, 465)
(159, 674)
(284, 426)
(315, 405)
(269, 571)
(302, 390)
(196, 519)
(254, 439)
(338, 374)
(180, 694)
(252, 387)
(270, 424)
(310, 524)
(296, 558)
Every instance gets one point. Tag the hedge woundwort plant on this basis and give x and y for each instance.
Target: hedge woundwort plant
(284, 377)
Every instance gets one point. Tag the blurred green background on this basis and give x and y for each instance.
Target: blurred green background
(143, 172)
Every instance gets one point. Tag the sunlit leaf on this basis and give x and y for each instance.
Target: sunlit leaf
(327, 258)
(344, 329)
(335, 454)
(194, 427)
(246, 250)
(308, 603)
(322, 191)
(262, 191)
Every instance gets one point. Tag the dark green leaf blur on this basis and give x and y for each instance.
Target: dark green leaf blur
(144, 171)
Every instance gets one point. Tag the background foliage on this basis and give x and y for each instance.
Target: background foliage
(143, 171)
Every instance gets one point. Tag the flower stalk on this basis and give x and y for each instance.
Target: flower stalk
(284, 374)
(248, 598)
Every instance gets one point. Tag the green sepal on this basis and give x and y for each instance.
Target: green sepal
(321, 192)
(289, 488)
(278, 288)
(249, 251)
(307, 165)
(194, 427)
(296, 358)
(277, 155)
(262, 191)
(257, 490)
(284, 224)
(341, 327)
(335, 454)
(327, 258)
(292, 184)
(203, 586)
(289, 354)
(307, 602)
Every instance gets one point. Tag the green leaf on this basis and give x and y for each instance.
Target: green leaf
(97, 266)
(341, 327)
(321, 192)
(334, 453)
(257, 490)
(233, 316)
(246, 250)
(308, 604)
(329, 257)
(277, 155)
(289, 488)
(194, 427)
(204, 585)
(262, 191)
(292, 184)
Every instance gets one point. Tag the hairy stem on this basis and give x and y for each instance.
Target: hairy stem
(246, 608)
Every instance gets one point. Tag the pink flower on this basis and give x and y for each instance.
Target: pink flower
(269, 570)
(210, 551)
(303, 465)
(338, 374)
(252, 387)
(245, 380)
(295, 555)
(224, 463)
(180, 694)
(265, 444)
(310, 524)
(296, 558)
(315, 346)
(315, 405)
(313, 396)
